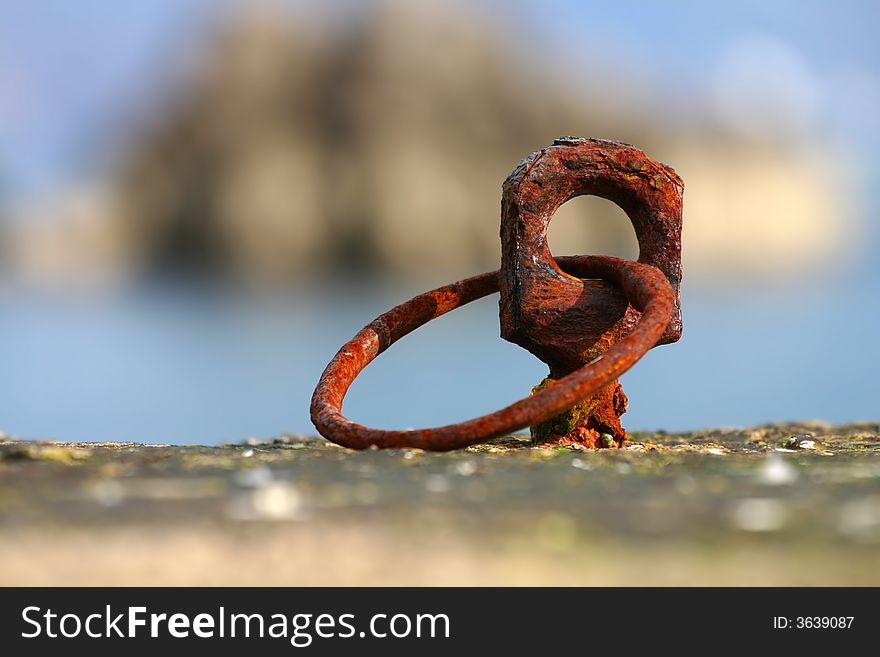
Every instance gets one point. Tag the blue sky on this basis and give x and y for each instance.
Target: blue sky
(72, 72)
(69, 70)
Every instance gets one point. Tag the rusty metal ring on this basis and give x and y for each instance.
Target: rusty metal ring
(645, 287)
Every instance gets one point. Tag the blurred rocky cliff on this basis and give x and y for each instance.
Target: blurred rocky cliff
(298, 145)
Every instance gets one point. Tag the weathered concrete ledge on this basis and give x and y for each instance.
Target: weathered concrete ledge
(780, 504)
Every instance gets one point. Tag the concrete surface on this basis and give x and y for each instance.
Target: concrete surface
(774, 505)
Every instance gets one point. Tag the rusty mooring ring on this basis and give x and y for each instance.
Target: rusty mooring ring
(645, 287)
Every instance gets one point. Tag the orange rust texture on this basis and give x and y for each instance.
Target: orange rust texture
(646, 288)
(594, 422)
(589, 318)
(566, 320)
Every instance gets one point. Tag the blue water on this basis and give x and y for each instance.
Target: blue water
(182, 364)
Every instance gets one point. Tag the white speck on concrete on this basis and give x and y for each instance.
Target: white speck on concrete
(276, 501)
(108, 492)
(465, 468)
(759, 515)
(254, 477)
(436, 483)
(776, 471)
(860, 518)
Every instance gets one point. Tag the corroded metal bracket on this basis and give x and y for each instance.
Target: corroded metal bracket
(562, 319)
(590, 318)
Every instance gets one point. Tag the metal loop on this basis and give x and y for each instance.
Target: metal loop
(645, 287)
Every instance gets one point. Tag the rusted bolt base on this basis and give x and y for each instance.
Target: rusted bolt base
(646, 288)
(594, 422)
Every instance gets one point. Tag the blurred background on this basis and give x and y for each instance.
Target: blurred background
(200, 201)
